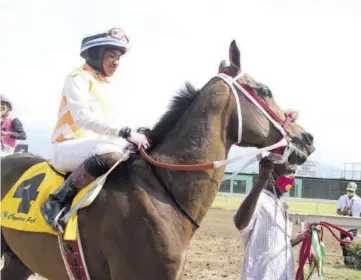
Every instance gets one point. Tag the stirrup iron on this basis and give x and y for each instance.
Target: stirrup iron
(56, 223)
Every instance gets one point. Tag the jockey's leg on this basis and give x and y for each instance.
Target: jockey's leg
(90, 169)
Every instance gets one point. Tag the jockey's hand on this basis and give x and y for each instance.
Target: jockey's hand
(265, 168)
(138, 139)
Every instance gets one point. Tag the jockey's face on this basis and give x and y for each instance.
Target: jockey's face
(111, 61)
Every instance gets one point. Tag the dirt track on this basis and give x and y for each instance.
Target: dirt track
(215, 252)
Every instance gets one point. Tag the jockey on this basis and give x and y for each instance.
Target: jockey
(85, 140)
(11, 127)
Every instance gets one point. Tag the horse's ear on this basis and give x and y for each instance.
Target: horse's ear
(235, 55)
(222, 66)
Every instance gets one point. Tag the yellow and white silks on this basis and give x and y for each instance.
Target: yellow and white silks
(85, 120)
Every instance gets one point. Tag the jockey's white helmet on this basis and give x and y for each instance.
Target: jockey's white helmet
(113, 38)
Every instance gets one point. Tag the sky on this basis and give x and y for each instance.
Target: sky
(307, 52)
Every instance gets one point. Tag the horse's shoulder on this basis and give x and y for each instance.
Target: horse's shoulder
(135, 173)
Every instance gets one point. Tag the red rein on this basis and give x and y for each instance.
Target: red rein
(307, 242)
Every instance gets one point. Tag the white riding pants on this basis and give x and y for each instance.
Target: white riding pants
(68, 155)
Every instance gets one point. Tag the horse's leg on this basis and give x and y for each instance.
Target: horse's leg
(13, 267)
(137, 252)
(38, 251)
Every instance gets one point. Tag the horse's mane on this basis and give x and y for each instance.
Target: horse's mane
(177, 107)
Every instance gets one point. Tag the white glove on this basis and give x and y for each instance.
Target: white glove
(140, 140)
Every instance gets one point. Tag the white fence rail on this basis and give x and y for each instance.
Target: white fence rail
(340, 221)
(287, 198)
(304, 218)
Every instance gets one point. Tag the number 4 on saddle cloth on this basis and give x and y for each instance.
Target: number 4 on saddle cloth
(20, 210)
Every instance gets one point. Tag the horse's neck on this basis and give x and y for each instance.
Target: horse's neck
(194, 144)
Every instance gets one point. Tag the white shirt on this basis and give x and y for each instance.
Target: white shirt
(354, 203)
(85, 99)
(267, 242)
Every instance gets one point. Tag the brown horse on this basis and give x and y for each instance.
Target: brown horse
(134, 230)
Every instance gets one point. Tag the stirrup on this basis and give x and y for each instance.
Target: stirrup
(57, 224)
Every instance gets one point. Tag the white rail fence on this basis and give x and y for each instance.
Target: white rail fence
(304, 218)
(340, 221)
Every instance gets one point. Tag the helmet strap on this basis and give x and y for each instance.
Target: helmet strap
(94, 59)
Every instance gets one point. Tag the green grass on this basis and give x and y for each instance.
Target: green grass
(339, 272)
(232, 203)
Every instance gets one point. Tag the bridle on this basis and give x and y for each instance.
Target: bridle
(272, 151)
(234, 83)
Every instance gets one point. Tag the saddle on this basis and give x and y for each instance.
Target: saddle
(20, 208)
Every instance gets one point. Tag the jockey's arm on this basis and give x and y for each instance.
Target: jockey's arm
(18, 130)
(76, 92)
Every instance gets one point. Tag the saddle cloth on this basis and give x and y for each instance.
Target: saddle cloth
(20, 208)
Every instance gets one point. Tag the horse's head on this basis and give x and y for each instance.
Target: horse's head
(263, 120)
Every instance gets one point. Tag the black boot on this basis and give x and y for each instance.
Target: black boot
(63, 196)
(56, 202)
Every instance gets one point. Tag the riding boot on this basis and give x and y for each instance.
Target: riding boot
(58, 200)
